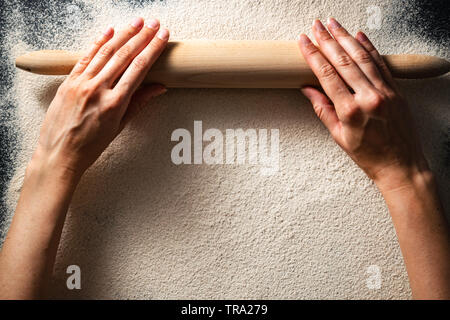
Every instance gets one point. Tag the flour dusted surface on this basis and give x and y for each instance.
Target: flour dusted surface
(141, 227)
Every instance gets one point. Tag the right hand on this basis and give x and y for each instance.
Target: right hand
(362, 107)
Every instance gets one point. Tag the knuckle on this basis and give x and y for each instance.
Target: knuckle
(362, 57)
(70, 91)
(98, 42)
(325, 36)
(343, 60)
(130, 32)
(120, 97)
(116, 99)
(85, 90)
(109, 107)
(71, 85)
(84, 61)
(106, 51)
(156, 44)
(351, 113)
(326, 71)
(341, 91)
(374, 100)
(140, 63)
(380, 84)
(371, 48)
(124, 52)
(311, 49)
(340, 32)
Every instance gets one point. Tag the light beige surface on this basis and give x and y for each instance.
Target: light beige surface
(141, 227)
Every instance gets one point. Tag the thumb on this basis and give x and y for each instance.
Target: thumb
(140, 100)
(322, 107)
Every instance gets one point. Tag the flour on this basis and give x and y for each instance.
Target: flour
(141, 227)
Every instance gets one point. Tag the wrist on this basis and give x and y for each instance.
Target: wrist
(46, 192)
(47, 169)
(396, 179)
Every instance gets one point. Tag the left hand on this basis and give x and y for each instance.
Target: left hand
(100, 96)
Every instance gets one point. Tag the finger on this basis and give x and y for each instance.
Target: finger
(344, 65)
(367, 44)
(334, 87)
(357, 53)
(82, 64)
(123, 57)
(138, 69)
(107, 51)
(323, 108)
(140, 100)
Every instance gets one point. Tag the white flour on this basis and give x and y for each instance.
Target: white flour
(141, 227)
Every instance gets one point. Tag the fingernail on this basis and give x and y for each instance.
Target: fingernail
(153, 24)
(361, 37)
(138, 22)
(304, 39)
(318, 25)
(305, 92)
(333, 24)
(109, 31)
(163, 34)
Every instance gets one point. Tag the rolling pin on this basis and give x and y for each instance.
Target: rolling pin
(232, 64)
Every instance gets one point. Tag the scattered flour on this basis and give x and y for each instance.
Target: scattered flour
(141, 227)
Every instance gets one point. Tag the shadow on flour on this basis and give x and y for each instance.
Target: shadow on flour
(46, 96)
(429, 100)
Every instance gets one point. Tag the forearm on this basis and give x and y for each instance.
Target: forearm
(422, 231)
(28, 253)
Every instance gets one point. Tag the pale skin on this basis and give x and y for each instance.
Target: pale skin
(359, 104)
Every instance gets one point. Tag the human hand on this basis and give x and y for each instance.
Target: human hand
(100, 96)
(362, 106)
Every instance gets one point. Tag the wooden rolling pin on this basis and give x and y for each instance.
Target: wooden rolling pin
(232, 64)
